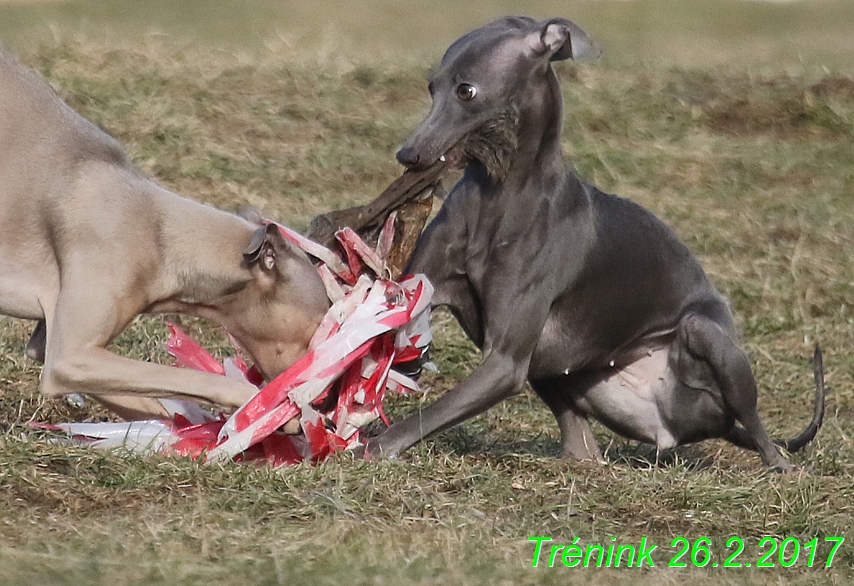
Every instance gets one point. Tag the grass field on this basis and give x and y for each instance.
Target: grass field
(732, 120)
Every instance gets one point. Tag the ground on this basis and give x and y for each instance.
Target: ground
(733, 121)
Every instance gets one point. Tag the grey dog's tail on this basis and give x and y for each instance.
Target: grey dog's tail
(807, 435)
(739, 436)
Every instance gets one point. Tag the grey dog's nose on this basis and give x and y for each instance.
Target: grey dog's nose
(408, 157)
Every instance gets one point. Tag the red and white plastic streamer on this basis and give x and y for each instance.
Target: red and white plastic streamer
(371, 325)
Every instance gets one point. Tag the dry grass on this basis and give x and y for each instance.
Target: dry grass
(642, 31)
(751, 163)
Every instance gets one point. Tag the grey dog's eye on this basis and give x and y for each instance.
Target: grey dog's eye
(466, 92)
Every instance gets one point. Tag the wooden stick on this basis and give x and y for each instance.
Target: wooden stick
(410, 194)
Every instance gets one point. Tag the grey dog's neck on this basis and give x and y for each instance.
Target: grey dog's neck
(520, 150)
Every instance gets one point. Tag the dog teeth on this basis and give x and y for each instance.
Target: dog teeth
(442, 158)
(611, 363)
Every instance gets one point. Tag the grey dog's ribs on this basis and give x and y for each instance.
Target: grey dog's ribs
(405, 194)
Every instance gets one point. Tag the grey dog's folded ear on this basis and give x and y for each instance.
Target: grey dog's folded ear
(559, 39)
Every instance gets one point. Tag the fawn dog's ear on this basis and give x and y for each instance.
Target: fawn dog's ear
(558, 38)
(260, 249)
(266, 255)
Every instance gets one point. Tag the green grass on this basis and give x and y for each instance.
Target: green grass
(733, 121)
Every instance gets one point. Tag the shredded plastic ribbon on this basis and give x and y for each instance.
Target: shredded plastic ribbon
(335, 389)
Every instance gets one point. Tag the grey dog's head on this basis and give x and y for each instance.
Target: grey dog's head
(479, 86)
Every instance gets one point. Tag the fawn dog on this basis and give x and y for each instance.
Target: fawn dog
(87, 243)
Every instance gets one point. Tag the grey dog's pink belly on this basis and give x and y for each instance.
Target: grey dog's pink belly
(630, 398)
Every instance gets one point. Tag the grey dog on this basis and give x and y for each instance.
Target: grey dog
(586, 295)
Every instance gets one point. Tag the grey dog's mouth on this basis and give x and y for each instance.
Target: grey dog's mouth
(492, 144)
(455, 158)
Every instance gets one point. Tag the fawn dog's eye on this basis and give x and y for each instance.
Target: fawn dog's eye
(466, 92)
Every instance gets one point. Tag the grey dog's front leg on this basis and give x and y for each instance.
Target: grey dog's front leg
(497, 378)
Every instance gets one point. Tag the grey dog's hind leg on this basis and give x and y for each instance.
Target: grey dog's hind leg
(578, 442)
(701, 338)
(742, 439)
